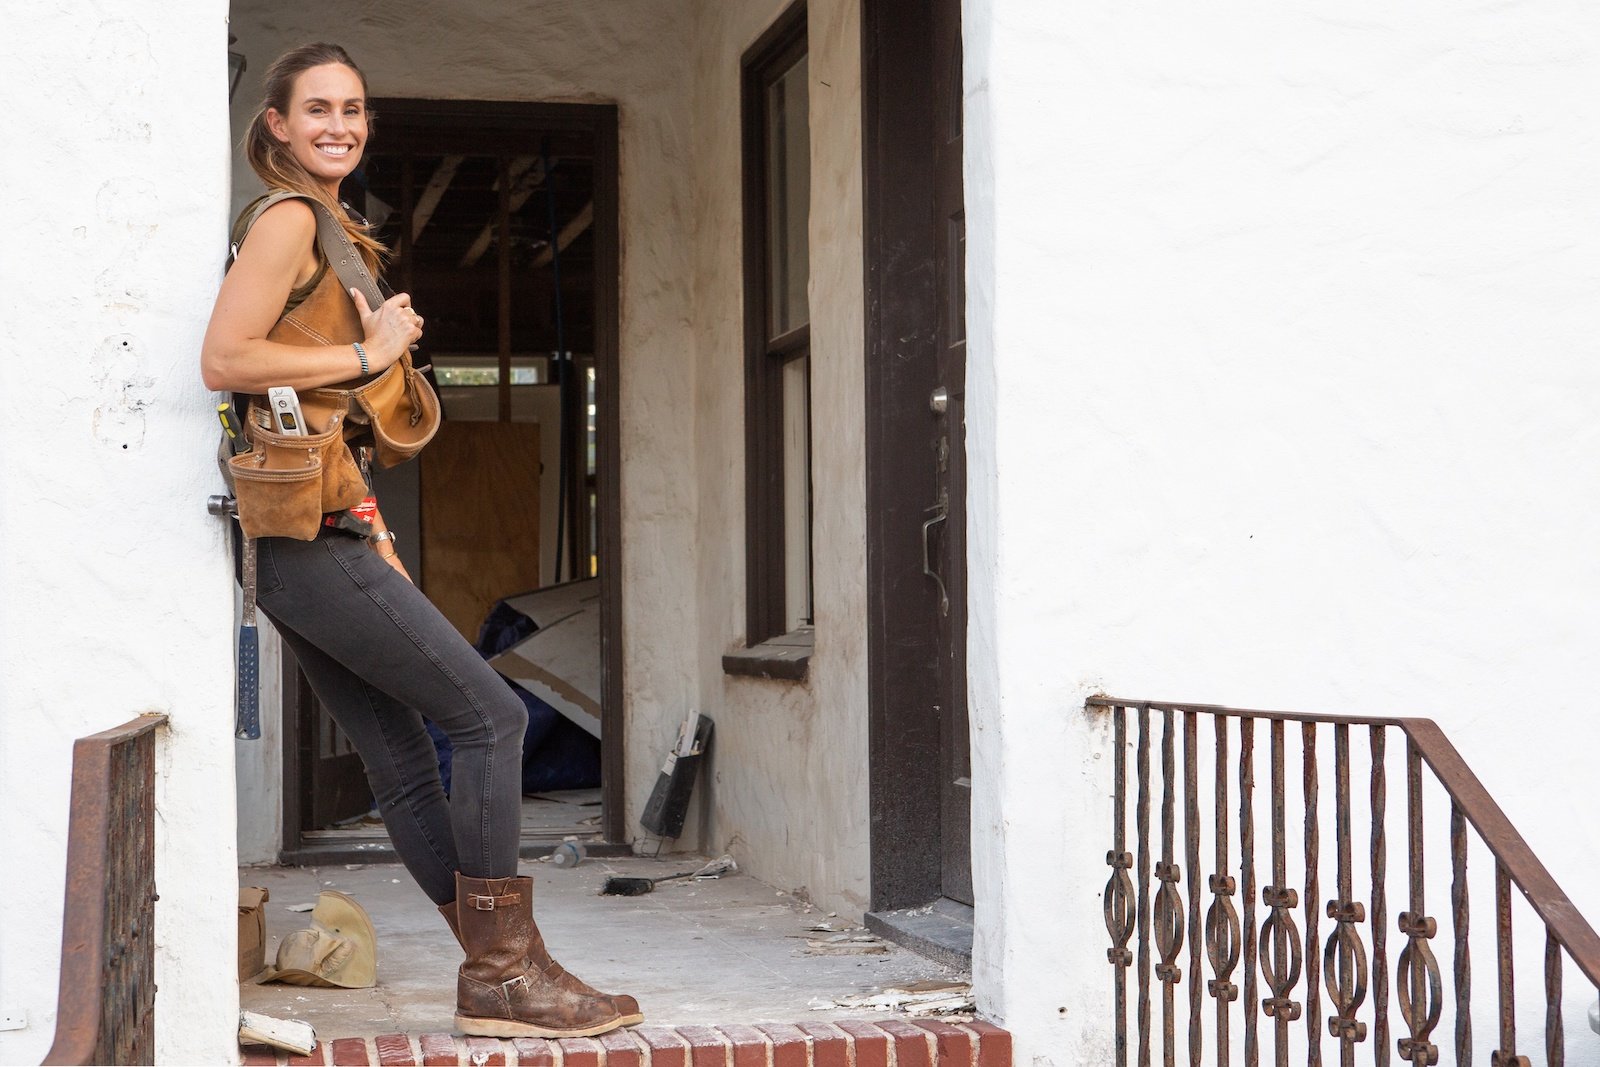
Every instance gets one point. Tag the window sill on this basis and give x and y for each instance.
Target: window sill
(785, 657)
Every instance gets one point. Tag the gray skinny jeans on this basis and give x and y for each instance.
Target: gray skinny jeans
(381, 658)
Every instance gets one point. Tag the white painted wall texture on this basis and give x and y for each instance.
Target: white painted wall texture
(115, 582)
(789, 767)
(1284, 371)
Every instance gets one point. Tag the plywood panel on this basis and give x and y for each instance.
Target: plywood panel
(480, 517)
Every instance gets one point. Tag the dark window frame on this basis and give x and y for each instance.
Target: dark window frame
(773, 54)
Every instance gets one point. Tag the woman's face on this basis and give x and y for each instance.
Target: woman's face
(326, 124)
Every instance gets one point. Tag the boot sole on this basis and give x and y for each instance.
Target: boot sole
(476, 1027)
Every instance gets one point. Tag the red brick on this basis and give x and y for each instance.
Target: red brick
(439, 1050)
(534, 1052)
(349, 1052)
(667, 1049)
(871, 1044)
(394, 1050)
(912, 1045)
(622, 1048)
(994, 1044)
(830, 1046)
(749, 1045)
(318, 1057)
(492, 1049)
(956, 1047)
(580, 1052)
(259, 1056)
(706, 1047)
(789, 1045)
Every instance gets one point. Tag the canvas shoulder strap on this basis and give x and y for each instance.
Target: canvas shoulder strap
(335, 242)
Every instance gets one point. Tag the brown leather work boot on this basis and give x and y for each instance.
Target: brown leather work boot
(499, 991)
(540, 957)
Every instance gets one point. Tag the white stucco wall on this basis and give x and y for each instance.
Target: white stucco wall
(789, 772)
(113, 579)
(1284, 366)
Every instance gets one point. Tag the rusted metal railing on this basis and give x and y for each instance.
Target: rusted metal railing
(1285, 975)
(105, 1010)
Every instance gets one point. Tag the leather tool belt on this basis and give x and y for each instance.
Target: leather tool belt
(284, 484)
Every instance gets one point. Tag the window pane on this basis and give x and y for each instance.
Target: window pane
(466, 369)
(797, 491)
(788, 168)
(590, 433)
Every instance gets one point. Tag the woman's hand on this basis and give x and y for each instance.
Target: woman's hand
(390, 330)
(279, 255)
(381, 540)
(393, 560)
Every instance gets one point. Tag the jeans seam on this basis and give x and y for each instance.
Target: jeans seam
(404, 782)
(484, 838)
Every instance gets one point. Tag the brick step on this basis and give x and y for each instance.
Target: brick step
(892, 1042)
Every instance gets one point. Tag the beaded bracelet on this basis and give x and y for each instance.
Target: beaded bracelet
(361, 354)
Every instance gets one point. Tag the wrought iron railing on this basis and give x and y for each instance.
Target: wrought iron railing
(105, 1010)
(1277, 977)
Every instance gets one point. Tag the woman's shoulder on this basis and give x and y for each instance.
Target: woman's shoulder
(280, 221)
(291, 214)
(282, 204)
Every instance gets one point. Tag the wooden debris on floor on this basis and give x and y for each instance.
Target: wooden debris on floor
(847, 944)
(917, 999)
(287, 1034)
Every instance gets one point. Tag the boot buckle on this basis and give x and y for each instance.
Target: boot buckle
(519, 982)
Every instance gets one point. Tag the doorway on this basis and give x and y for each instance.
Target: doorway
(502, 221)
(916, 473)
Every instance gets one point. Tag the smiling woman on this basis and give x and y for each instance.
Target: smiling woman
(307, 136)
(326, 124)
(379, 655)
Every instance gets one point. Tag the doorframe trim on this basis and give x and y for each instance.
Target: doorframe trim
(898, 243)
(600, 121)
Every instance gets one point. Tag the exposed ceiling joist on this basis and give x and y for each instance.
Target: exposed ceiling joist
(526, 174)
(569, 233)
(434, 192)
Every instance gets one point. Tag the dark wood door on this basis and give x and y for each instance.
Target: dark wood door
(914, 230)
(339, 789)
(948, 405)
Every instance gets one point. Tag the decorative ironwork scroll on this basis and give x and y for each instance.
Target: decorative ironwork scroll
(1280, 938)
(1261, 960)
(1344, 960)
(1223, 939)
(1119, 888)
(1418, 987)
(1169, 904)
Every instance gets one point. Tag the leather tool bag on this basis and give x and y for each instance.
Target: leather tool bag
(284, 484)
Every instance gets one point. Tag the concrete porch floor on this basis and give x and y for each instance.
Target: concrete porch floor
(732, 950)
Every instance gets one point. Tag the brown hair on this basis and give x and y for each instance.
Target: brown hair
(271, 159)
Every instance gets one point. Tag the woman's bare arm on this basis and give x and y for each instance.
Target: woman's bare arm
(237, 357)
